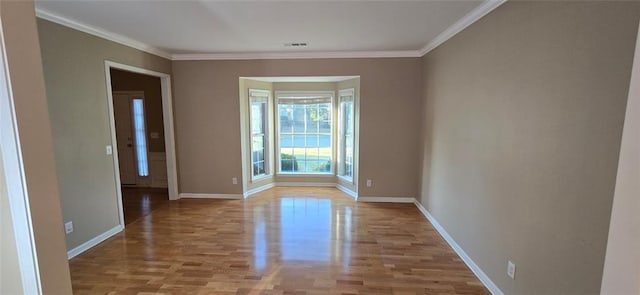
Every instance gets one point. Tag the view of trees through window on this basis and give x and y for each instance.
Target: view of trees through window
(304, 136)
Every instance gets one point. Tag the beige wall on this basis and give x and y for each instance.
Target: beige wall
(523, 118)
(74, 72)
(622, 264)
(128, 81)
(32, 118)
(207, 116)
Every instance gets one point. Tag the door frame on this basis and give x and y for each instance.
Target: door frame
(169, 136)
(16, 183)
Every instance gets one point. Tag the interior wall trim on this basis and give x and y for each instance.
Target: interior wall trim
(470, 18)
(95, 241)
(210, 196)
(256, 190)
(347, 191)
(482, 276)
(386, 199)
(99, 32)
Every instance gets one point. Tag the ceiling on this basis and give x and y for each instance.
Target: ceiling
(227, 28)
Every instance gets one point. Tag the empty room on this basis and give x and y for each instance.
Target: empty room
(320, 147)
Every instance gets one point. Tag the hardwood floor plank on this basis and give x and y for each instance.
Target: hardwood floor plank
(280, 241)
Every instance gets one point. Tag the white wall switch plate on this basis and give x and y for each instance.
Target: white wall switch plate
(68, 227)
(234, 180)
(511, 270)
(109, 150)
(369, 182)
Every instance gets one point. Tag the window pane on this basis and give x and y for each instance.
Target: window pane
(305, 135)
(140, 137)
(258, 115)
(346, 137)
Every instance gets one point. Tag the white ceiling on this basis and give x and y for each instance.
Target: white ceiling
(250, 27)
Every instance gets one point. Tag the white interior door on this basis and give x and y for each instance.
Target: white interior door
(124, 135)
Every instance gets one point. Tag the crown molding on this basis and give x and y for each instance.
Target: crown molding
(470, 18)
(52, 17)
(296, 55)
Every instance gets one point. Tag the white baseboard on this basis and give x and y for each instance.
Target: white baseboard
(258, 189)
(210, 196)
(386, 199)
(95, 241)
(493, 288)
(305, 184)
(347, 191)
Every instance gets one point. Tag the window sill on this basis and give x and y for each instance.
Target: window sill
(260, 177)
(328, 175)
(346, 179)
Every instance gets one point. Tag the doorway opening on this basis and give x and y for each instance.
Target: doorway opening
(142, 140)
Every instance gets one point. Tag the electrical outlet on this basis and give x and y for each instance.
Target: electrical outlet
(511, 270)
(369, 183)
(68, 227)
(234, 180)
(109, 150)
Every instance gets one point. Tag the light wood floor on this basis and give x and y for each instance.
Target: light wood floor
(281, 241)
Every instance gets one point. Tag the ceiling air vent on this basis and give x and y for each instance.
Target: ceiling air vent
(296, 44)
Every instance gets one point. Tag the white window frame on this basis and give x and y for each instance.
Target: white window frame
(340, 159)
(288, 94)
(254, 93)
(15, 183)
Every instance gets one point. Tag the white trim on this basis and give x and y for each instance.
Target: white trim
(258, 189)
(102, 33)
(211, 196)
(486, 281)
(303, 79)
(347, 191)
(341, 134)
(470, 18)
(167, 115)
(306, 184)
(276, 111)
(301, 175)
(297, 55)
(267, 186)
(15, 181)
(93, 242)
(386, 199)
(266, 140)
